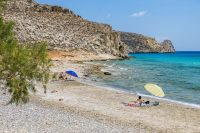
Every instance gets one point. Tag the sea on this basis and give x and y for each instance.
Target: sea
(177, 73)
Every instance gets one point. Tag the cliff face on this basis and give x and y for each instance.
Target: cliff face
(62, 29)
(141, 43)
(167, 46)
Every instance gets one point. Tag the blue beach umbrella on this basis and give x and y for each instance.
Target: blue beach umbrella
(72, 73)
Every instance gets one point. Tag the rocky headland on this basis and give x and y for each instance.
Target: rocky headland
(138, 43)
(63, 30)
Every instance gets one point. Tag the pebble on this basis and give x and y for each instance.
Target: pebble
(35, 118)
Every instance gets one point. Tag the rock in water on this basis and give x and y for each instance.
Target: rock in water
(107, 73)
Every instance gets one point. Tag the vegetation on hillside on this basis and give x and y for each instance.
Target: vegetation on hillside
(2, 5)
(21, 65)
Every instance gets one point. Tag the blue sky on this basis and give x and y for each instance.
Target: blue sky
(177, 20)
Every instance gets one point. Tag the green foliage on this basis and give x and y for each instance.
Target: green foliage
(6, 32)
(21, 64)
(2, 5)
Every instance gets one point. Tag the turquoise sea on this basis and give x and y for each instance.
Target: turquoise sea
(177, 73)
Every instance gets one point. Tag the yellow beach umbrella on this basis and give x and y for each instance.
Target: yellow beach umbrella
(154, 90)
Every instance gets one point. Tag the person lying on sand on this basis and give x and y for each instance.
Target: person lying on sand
(140, 103)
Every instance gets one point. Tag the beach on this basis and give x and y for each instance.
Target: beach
(113, 67)
(79, 106)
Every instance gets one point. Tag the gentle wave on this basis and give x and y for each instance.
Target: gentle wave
(177, 73)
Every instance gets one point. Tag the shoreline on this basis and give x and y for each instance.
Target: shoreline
(83, 105)
(90, 61)
(121, 90)
(110, 68)
(107, 104)
(98, 98)
(186, 104)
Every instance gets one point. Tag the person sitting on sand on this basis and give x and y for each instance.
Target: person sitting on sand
(140, 103)
(136, 103)
(140, 100)
(62, 76)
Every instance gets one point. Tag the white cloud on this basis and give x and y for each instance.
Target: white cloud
(138, 14)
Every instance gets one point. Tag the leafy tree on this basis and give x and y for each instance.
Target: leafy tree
(21, 65)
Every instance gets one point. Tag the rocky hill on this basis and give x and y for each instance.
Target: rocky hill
(62, 29)
(141, 43)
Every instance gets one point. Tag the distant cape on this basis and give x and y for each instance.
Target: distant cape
(138, 43)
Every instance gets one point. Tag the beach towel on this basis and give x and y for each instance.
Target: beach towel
(144, 104)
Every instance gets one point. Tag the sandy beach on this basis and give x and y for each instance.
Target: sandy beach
(113, 66)
(76, 106)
